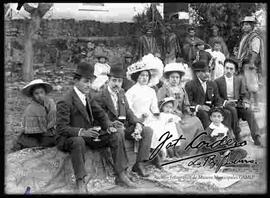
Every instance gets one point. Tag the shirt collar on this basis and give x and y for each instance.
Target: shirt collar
(231, 78)
(111, 91)
(79, 93)
(218, 129)
(203, 83)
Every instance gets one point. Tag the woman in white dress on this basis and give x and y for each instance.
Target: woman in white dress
(143, 101)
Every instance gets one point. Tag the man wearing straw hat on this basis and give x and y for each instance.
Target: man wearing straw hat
(76, 114)
(251, 47)
(113, 100)
(39, 117)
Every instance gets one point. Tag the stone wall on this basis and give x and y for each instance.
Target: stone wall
(52, 43)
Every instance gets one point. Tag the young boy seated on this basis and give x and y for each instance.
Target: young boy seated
(171, 123)
(217, 131)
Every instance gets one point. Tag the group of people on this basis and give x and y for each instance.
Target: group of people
(213, 51)
(112, 103)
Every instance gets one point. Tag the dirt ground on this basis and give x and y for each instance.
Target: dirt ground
(159, 181)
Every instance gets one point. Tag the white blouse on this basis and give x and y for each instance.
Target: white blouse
(142, 99)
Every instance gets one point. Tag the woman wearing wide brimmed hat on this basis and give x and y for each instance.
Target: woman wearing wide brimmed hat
(173, 73)
(142, 98)
(39, 117)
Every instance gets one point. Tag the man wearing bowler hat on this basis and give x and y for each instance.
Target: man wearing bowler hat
(203, 94)
(113, 100)
(76, 113)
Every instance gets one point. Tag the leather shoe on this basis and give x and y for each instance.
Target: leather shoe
(123, 180)
(138, 168)
(81, 186)
(156, 162)
(238, 138)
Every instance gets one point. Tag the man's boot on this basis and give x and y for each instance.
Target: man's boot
(139, 169)
(81, 185)
(257, 141)
(123, 180)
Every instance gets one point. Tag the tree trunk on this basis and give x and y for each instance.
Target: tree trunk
(28, 59)
(31, 28)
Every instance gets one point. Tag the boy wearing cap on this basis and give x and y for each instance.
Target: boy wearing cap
(114, 102)
(203, 94)
(39, 117)
(76, 114)
(233, 94)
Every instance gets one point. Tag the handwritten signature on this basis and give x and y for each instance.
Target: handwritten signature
(196, 143)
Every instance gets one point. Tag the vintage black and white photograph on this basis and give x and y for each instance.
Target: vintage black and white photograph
(135, 98)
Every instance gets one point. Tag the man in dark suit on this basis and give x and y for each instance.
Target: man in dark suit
(233, 93)
(127, 62)
(76, 113)
(203, 94)
(113, 100)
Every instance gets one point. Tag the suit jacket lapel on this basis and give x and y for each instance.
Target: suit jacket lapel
(109, 101)
(78, 103)
(200, 87)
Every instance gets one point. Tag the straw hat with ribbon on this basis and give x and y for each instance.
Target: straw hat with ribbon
(26, 90)
(148, 62)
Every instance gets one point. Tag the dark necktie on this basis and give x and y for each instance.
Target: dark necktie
(87, 107)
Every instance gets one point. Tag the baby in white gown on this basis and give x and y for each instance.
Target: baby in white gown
(171, 123)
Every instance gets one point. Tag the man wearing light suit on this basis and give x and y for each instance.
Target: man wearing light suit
(233, 93)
